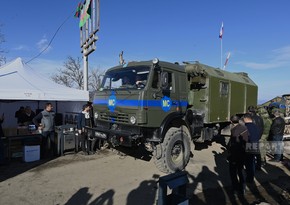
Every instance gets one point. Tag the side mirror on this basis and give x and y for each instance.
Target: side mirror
(164, 80)
(100, 82)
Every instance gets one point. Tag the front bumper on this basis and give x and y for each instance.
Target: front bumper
(116, 134)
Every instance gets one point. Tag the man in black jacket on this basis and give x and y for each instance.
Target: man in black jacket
(276, 134)
(258, 121)
(236, 157)
(252, 147)
(84, 120)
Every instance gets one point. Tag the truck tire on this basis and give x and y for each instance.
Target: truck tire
(175, 150)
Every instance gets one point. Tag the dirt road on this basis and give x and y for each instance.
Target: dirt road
(111, 177)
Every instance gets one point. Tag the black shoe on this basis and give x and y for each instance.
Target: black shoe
(92, 152)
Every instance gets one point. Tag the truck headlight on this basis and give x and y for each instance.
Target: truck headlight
(96, 115)
(133, 120)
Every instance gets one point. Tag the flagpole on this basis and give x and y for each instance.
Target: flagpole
(221, 53)
(221, 37)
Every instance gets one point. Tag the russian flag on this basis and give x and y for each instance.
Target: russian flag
(221, 31)
(227, 60)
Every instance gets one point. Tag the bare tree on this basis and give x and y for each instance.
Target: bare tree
(2, 51)
(94, 79)
(71, 75)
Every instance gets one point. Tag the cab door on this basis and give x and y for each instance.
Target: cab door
(161, 101)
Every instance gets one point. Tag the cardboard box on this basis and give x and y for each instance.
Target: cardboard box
(31, 153)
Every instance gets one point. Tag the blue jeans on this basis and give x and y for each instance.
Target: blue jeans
(278, 145)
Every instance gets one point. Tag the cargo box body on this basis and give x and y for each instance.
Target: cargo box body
(217, 94)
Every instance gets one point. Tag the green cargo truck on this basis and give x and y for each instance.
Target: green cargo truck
(165, 106)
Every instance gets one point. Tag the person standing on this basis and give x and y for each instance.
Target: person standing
(47, 128)
(84, 120)
(252, 147)
(236, 151)
(276, 134)
(91, 113)
(258, 121)
(18, 115)
(263, 141)
(27, 116)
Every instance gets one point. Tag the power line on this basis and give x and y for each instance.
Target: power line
(51, 39)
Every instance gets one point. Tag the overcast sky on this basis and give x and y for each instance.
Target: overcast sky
(256, 33)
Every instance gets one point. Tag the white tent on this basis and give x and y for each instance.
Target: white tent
(20, 85)
(20, 82)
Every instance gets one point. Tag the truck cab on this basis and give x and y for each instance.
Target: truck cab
(134, 99)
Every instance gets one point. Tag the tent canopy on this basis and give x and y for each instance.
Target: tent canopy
(18, 81)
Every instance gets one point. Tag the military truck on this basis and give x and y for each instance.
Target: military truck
(167, 106)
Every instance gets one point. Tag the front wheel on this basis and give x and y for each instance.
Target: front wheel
(175, 150)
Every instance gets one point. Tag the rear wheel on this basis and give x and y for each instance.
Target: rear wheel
(175, 150)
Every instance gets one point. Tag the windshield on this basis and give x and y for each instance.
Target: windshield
(124, 78)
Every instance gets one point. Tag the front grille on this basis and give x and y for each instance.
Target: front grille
(115, 117)
(121, 129)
